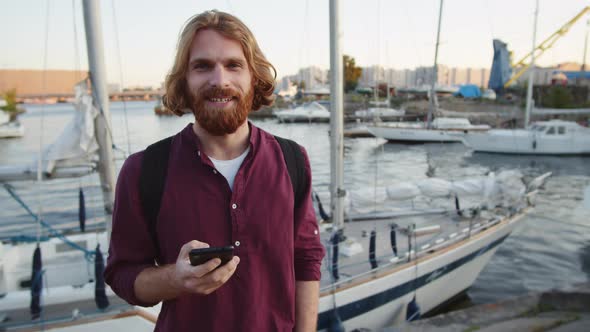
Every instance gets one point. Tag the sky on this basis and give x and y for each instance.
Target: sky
(140, 35)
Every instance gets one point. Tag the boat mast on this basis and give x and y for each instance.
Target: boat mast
(529, 91)
(336, 118)
(433, 98)
(585, 51)
(102, 123)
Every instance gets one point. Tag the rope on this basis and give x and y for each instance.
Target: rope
(76, 46)
(42, 122)
(89, 254)
(121, 78)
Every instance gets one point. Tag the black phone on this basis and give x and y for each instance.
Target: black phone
(203, 255)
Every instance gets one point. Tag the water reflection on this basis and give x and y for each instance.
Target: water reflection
(559, 165)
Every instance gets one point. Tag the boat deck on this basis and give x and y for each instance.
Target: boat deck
(453, 228)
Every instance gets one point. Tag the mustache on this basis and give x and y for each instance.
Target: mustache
(216, 92)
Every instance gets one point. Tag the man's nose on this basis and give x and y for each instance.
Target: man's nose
(219, 77)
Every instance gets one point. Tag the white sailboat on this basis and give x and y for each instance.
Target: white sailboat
(9, 129)
(65, 288)
(556, 137)
(372, 113)
(441, 130)
(442, 258)
(308, 112)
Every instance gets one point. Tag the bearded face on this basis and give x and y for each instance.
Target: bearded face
(221, 111)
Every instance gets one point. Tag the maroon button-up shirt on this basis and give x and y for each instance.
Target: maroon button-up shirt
(278, 243)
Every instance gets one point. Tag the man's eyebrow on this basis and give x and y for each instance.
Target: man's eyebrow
(208, 61)
(235, 59)
(199, 60)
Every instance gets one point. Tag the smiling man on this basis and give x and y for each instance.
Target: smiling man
(226, 183)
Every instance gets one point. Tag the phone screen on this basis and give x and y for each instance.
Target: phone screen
(203, 255)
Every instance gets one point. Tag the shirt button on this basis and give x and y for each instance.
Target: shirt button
(199, 153)
(234, 206)
(214, 171)
(237, 243)
(315, 231)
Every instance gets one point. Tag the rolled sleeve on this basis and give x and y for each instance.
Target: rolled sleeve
(309, 250)
(131, 248)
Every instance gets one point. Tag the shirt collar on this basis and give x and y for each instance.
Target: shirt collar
(188, 135)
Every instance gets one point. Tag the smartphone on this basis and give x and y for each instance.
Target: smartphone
(203, 255)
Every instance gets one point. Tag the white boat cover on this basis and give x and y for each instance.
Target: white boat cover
(77, 143)
(403, 191)
(75, 146)
(504, 189)
(435, 187)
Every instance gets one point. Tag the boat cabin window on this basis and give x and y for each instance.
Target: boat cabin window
(561, 130)
(541, 128)
(550, 131)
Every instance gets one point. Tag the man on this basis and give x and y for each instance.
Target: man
(227, 184)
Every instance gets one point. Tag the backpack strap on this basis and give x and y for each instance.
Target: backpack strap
(295, 165)
(152, 180)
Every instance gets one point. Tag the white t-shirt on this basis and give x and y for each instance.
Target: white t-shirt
(229, 168)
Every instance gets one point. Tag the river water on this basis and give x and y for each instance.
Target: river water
(550, 249)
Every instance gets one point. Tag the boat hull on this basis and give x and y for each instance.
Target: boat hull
(382, 301)
(416, 135)
(12, 130)
(524, 142)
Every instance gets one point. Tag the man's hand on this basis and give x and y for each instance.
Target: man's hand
(155, 284)
(201, 279)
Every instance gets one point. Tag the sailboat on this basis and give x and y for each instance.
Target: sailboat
(9, 129)
(66, 284)
(441, 130)
(308, 112)
(439, 254)
(416, 261)
(555, 137)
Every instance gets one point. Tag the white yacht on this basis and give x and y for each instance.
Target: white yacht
(547, 137)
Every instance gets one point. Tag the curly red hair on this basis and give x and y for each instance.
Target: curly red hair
(177, 97)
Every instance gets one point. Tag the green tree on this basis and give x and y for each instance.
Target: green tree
(559, 97)
(10, 98)
(300, 85)
(352, 73)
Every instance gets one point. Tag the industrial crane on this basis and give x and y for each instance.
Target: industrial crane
(524, 63)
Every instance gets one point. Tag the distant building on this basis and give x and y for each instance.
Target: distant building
(39, 82)
(311, 76)
(113, 88)
(421, 76)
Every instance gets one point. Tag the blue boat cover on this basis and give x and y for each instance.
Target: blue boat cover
(501, 68)
(468, 91)
(573, 75)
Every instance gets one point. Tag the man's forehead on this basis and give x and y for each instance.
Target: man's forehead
(209, 44)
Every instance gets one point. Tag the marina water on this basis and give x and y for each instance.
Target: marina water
(550, 249)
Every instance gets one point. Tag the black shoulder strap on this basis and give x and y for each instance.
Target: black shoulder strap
(152, 179)
(295, 165)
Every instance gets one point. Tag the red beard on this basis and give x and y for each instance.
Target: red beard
(216, 121)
